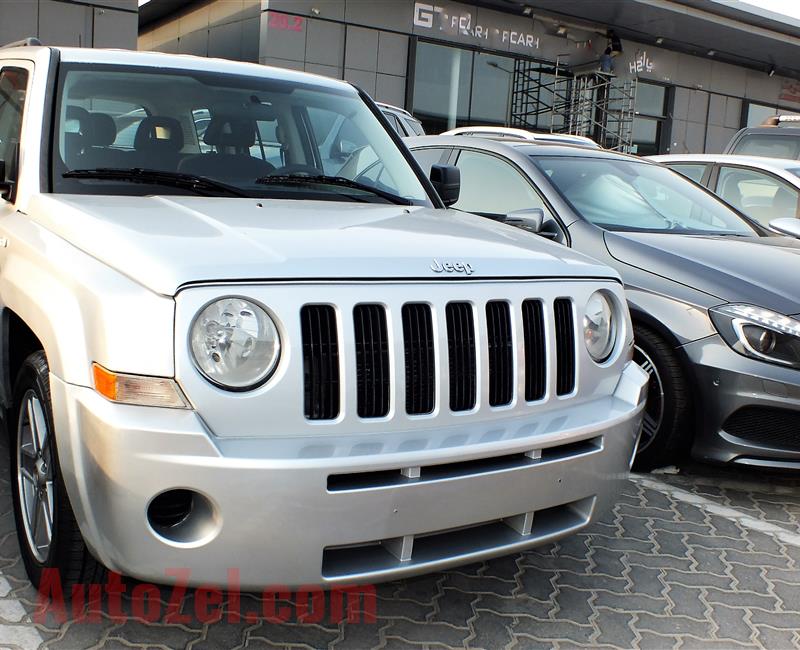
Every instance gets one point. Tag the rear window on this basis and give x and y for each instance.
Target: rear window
(766, 144)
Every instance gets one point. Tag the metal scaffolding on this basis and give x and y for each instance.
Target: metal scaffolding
(593, 104)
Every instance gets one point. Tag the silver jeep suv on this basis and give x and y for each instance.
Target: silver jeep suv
(230, 341)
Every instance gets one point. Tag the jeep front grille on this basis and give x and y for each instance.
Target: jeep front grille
(419, 358)
(565, 347)
(501, 353)
(320, 362)
(481, 357)
(461, 356)
(372, 360)
(535, 350)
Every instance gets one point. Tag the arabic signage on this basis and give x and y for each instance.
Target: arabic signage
(641, 63)
(462, 24)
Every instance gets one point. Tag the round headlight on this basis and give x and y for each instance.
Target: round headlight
(235, 343)
(599, 327)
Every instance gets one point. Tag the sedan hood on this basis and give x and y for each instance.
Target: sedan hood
(761, 271)
(166, 242)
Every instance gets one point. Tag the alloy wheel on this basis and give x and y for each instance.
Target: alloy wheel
(654, 409)
(35, 476)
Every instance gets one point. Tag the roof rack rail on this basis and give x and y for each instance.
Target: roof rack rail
(25, 42)
(777, 120)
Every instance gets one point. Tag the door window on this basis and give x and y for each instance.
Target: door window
(760, 196)
(490, 185)
(395, 124)
(690, 170)
(428, 157)
(13, 86)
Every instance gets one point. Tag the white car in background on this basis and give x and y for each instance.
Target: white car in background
(504, 132)
(764, 189)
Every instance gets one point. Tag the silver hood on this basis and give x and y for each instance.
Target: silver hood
(165, 242)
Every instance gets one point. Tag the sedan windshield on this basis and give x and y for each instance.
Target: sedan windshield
(637, 196)
(141, 130)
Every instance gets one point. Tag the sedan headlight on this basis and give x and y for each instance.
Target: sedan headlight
(599, 326)
(759, 333)
(235, 343)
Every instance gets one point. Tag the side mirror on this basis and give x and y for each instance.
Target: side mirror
(786, 226)
(6, 186)
(344, 149)
(531, 219)
(446, 180)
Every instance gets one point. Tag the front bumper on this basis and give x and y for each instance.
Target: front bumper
(338, 510)
(741, 403)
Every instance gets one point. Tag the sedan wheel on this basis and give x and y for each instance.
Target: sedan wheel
(654, 409)
(667, 419)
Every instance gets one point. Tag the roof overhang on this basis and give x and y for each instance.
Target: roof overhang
(737, 33)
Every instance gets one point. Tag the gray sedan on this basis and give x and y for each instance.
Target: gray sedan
(713, 295)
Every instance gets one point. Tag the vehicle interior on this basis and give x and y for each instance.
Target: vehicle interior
(238, 132)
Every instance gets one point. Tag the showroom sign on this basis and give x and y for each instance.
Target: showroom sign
(642, 63)
(448, 20)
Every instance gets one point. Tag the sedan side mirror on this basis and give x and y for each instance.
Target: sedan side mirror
(786, 226)
(446, 180)
(531, 219)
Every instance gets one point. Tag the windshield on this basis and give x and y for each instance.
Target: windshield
(235, 130)
(638, 196)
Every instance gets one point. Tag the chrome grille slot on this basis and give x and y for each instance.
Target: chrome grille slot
(320, 362)
(419, 358)
(372, 360)
(501, 353)
(401, 476)
(572, 449)
(457, 544)
(535, 350)
(461, 356)
(565, 346)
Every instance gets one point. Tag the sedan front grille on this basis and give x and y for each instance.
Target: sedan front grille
(479, 355)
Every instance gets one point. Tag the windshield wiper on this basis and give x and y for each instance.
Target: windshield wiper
(321, 179)
(197, 184)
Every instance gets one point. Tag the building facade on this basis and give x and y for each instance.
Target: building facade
(529, 65)
(84, 23)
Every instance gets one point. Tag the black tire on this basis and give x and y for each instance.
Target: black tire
(666, 434)
(66, 552)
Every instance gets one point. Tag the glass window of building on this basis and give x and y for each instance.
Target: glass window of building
(457, 87)
(651, 114)
(442, 86)
(757, 113)
(492, 80)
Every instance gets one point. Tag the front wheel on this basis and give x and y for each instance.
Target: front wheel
(666, 433)
(49, 537)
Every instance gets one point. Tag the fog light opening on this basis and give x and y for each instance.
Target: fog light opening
(183, 517)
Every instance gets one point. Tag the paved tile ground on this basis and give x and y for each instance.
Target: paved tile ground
(670, 567)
